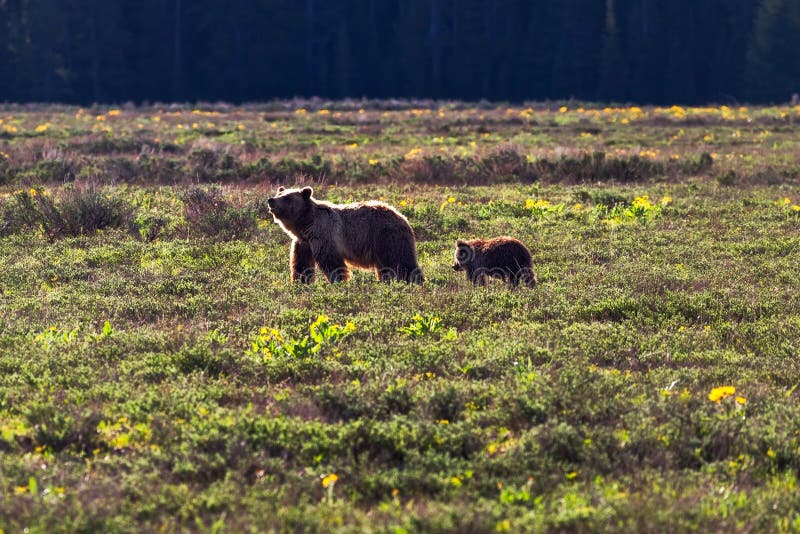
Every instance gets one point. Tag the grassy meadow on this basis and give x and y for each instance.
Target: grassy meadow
(158, 372)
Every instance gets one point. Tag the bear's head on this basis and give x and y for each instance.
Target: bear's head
(291, 207)
(465, 255)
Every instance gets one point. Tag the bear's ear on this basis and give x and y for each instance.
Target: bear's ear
(461, 243)
(307, 192)
(280, 189)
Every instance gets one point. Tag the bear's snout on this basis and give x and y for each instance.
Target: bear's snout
(456, 266)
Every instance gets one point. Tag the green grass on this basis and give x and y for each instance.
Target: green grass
(136, 392)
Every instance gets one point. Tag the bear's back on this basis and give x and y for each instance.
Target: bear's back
(372, 213)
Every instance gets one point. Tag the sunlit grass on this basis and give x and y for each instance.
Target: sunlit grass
(162, 374)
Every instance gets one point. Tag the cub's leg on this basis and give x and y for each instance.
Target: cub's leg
(527, 277)
(302, 262)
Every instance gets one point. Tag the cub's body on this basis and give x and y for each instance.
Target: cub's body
(501, 257)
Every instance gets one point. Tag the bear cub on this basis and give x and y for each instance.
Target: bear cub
(501, 257)
(368, 235)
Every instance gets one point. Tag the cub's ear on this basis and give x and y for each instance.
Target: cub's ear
(307, 192)
(280, 189)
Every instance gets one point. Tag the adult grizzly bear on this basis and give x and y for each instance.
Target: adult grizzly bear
(368, 235)
(501, 257)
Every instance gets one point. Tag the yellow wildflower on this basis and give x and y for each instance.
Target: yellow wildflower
(642, 202)
(329, 480)
(717, 394)
(414, 153)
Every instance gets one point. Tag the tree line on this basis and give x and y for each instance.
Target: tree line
(645, 51)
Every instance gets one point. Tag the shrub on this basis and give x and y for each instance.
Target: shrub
(72, 212)
(206, 163)
(52, 170)
(84, 212)
(208, 213)
(507, 163)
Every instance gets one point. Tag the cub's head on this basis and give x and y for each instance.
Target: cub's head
(465, 255)
(288, 206)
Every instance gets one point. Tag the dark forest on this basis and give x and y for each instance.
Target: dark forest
(643, 51)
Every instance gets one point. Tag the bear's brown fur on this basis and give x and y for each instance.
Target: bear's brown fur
(501, 257)
(368, 235)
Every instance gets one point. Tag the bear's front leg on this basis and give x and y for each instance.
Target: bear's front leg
(302, 263)
(331, 262)
(478, 277)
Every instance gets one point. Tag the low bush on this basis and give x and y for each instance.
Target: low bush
(208, 213)
(73, 211)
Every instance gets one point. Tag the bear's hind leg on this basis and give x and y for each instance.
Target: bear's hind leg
(302, 263)
(398, 263)
(386, 274)
(415, 275)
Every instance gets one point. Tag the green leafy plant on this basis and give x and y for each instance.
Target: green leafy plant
(540, 209)
(322, 334)
(422, 325)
